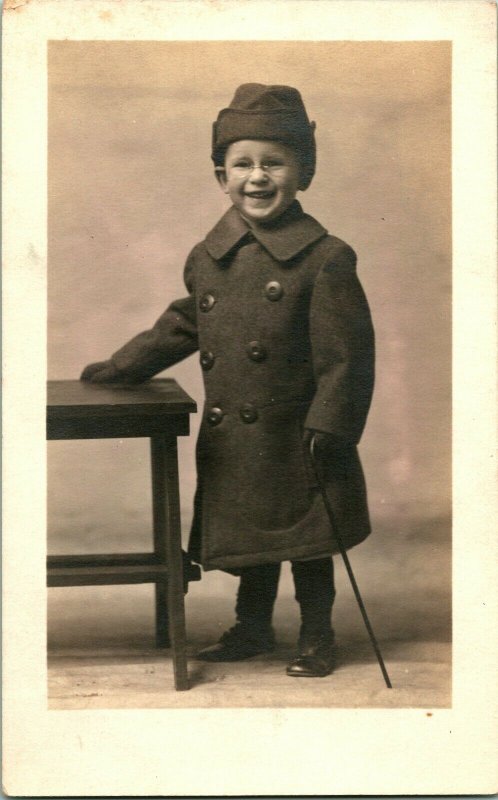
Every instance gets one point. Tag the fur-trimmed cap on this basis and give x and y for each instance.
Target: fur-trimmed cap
(276, 113)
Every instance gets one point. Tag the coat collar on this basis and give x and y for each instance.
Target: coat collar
(290, 234)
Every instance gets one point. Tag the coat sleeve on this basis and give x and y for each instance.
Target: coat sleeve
(171, 339)
(342, 346)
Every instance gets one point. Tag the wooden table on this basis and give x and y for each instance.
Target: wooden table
(159, 410)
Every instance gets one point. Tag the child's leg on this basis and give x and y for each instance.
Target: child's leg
(256, 595)
(315, 593)
(252, 633)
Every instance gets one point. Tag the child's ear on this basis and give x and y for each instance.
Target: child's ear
(221, 177)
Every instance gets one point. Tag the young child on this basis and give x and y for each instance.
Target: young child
(286, 349)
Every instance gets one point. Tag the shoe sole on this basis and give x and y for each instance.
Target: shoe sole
(293, 674)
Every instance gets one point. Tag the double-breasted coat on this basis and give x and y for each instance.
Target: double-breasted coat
(286, 343)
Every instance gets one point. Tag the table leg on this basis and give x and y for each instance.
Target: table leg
(162, 616)
(170, 607)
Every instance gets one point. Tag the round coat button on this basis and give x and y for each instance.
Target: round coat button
(248, 413)
(214, 416)
(206, 359)
(206, 302)
(256, 351)
(273, 290)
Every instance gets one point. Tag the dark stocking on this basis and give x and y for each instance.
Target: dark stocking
(315, 593)
(256, 595)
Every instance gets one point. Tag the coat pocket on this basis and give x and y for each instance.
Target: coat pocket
(274, 487)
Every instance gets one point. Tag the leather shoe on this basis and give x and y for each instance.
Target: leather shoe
(239, 643)
(315, 657)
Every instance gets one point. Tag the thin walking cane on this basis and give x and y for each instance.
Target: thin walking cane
(345, 558)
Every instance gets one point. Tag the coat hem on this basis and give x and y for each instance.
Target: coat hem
(228, 562)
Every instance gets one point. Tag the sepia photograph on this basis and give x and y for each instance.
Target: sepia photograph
(249, 303)
(307, 298)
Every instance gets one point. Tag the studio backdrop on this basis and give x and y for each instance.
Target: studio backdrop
(131, 190)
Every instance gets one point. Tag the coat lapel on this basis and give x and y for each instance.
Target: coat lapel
(288, 236)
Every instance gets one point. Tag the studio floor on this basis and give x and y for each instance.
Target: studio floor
(101, 651)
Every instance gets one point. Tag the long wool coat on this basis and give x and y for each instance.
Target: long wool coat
(286, 343)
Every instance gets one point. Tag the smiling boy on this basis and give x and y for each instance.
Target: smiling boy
(286, 348)
(262, 179)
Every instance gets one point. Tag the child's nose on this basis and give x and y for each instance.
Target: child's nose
(258, 174)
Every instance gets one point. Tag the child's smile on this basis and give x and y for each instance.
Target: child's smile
(261, 177)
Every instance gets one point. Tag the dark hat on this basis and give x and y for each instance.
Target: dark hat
(267, 112)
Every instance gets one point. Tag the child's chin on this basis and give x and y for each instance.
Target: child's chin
(263, 215)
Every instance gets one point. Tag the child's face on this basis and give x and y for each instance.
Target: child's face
(261, 177)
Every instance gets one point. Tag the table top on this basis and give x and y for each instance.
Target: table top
(82, 399)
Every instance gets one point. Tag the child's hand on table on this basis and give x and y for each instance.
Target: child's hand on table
(101, 372)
